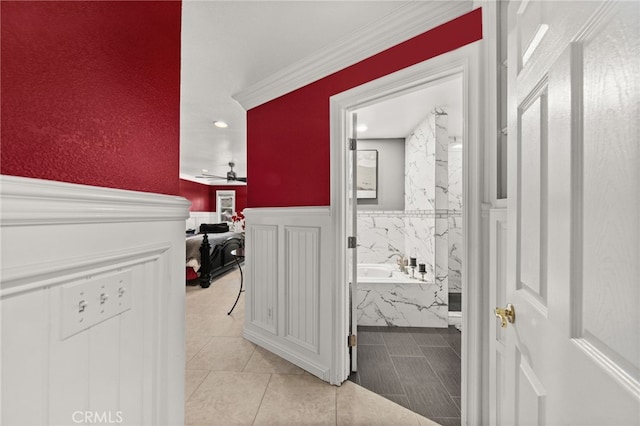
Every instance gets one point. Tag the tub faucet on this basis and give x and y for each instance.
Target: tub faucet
(402, 262)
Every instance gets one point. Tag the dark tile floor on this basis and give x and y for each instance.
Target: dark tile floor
(418, 368)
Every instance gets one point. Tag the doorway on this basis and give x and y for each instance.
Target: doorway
(409, 240)
(462, 62)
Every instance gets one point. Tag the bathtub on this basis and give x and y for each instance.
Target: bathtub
(385, 273)
(388, 297)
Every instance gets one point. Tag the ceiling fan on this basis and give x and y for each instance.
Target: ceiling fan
(231, 175)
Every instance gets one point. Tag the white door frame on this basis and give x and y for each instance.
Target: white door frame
(466, 62)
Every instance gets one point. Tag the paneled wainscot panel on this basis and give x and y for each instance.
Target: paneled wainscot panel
(92, 304)
(288, 284)
(264, 240)
(302, 285)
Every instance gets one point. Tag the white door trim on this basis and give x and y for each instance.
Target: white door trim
(465, 61)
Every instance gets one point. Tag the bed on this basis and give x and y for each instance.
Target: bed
(218, 246)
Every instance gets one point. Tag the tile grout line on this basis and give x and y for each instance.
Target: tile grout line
(250, 356)
(402, 384)
(196, 354)
(442, 383)
(398, 375)
(255, 416)
(198, 387)
(336, 403)
(460, 358)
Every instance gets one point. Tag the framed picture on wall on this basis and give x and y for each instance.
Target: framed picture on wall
(225, 205)
(367, 178)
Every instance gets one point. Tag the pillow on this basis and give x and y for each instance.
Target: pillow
(191, 274)
(214, 228)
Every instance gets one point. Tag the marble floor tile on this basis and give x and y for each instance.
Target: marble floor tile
(429, 339)
(193, 345)
(376, 371)
(297, 400)
(369, 338)
(359, 406)
(413, 370)
(448, 421)
(215, 324)
(226, 398)
(413, 376)
(451, 380)
(457, 400)
(230, 381)
(441, 358)
(263, 361)
(223, 354)
(431, 400)
(427, 422)
(401, 344)
(399, 399)
(193, 379)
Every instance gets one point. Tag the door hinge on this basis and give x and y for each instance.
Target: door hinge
(351, 242)
(352, 340)
(353, 143)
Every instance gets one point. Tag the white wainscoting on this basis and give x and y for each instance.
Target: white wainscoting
(197, 218)
(288, 291)
(127, 366)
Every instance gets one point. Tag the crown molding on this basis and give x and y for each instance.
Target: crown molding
(408, 21)
(215, 182)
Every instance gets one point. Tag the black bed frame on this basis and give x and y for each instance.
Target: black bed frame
(220, 261)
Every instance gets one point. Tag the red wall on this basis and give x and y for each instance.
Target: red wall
(199, 196)
(90, 92)
(288, 138)
(203, 197)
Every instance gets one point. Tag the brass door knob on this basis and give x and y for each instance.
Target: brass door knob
(506, 314)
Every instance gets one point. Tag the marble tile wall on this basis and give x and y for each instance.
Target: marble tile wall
(414, 304)
(455, 214)
(420, 162)
(455, 254)
(430, 228)
(455, 174)
(441, 240)
(381, 236)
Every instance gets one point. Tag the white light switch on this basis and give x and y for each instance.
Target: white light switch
(90, 301)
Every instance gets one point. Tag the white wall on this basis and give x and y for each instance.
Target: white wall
(120, 360)
(197, 218)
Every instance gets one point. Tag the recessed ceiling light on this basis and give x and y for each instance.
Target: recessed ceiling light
(362, 128)
(205, 171)
(220, 124)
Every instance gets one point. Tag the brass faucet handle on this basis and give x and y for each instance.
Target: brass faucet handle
(505, 315)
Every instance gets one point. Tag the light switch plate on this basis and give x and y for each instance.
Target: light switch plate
(92, 300)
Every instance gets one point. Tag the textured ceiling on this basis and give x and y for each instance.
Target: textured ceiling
(229, 45)
(399, 116)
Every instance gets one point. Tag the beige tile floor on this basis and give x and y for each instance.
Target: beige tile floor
(231, 381)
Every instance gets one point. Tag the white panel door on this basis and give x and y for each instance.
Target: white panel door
(572, 356)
